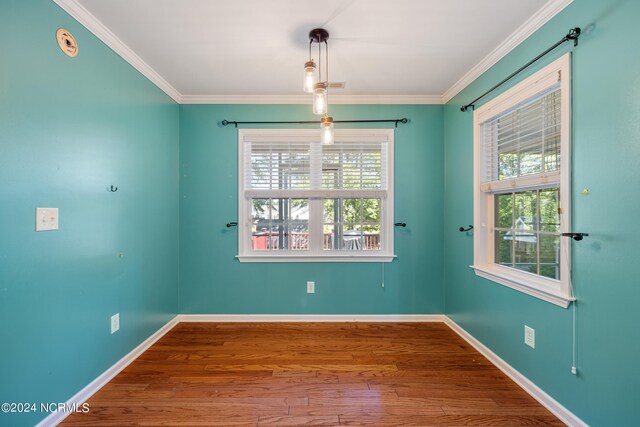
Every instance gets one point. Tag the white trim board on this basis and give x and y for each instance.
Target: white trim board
(533, 24)
(95, 26)
(90, 389)
(526, 384)
(304, 99)
(311, 318)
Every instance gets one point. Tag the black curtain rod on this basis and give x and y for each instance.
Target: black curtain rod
(313, 122)
(573, 34)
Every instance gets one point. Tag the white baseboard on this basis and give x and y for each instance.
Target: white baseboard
(536, 392)
(311, 318)
(83, 395)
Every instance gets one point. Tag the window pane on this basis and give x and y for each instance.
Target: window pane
(280, 224)
(525, 251)
(550, 256)
(352, 224)
(504, 210)
(329, 241)
(549, 218)
(328, 210)
(503, 248)
(526, 211)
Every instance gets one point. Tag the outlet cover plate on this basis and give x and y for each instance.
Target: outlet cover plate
(311, 287)
(529, 336)
(115, 323)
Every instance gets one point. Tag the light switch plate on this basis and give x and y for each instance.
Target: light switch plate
(311, 287)
(46, 219)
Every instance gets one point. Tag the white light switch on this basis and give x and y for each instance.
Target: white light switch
(46, 219)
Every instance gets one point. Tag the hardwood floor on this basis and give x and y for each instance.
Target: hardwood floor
(289, 374)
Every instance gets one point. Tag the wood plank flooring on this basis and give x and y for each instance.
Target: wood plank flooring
(293, 374)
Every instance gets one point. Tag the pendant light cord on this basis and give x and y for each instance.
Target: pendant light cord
(319, 63)
(326, 51)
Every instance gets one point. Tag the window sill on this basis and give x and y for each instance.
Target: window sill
(316, 258)
(535, 286)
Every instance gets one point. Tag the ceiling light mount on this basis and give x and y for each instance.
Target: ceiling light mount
(318, 35)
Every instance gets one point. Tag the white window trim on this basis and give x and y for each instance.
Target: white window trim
(550, 290)
(247, 254)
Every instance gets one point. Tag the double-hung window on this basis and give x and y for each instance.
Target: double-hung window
(299, 200)
(522, 185)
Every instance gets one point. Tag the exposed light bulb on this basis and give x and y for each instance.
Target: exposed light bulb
(326, 126)
(320, 98)
(309, 76)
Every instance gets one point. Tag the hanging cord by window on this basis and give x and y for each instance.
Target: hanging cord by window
(382, 281)
(573, 34)
(574, 320)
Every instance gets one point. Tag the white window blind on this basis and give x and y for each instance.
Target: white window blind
(360, 166)
(521, 146)
(277, 168)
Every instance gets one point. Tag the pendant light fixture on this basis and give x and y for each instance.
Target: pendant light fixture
(319, 87)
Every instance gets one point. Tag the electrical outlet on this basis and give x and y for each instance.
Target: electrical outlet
(311, 287)
(115, 323)
(529, 336)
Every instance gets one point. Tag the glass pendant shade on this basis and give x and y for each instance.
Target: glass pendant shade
(320, 99)
(309, 76)
(326, 126)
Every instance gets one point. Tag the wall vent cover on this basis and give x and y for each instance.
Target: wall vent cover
(66, 42)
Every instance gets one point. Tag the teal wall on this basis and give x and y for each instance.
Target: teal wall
(69, 128)
(213, 281)
(606, 155)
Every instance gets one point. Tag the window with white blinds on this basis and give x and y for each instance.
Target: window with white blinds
(522, 185)
(278, 166)
(523, 141)
(301, 200)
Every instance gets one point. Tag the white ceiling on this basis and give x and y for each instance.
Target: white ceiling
(209, 48)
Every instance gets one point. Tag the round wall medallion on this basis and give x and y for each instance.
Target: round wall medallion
(66, 42)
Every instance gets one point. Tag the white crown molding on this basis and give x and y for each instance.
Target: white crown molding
(541, 17)
(94, 386)
(91, 23)
(536, 392)
(84, 17)
(311, 318)
(306, 99)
